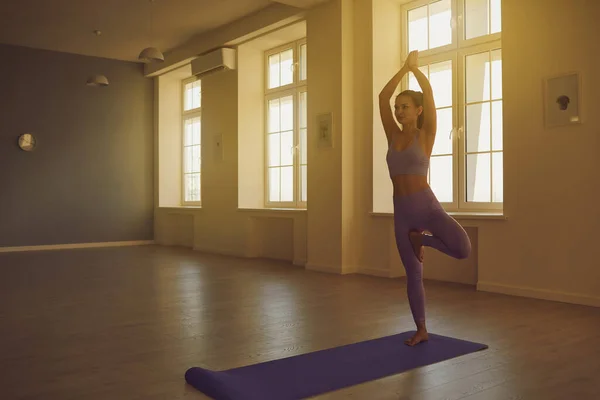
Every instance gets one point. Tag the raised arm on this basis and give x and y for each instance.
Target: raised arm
(429, 127)
(385, 110)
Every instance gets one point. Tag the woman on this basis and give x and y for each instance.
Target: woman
(416, 208)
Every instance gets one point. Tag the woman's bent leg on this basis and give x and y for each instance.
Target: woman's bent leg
(447, 235)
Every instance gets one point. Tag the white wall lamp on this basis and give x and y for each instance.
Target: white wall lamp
(151, 54)
(97, 80)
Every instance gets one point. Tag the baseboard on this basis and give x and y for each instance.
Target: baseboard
(380, 272)
(330, 269)
(322, 268)
(221, 252)
(74, 246)
(572, 298)
(299, 263)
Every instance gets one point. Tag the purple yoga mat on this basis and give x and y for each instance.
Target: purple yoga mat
(322, 371)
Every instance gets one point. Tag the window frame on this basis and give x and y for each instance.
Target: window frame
(456, 52)
(463, 204)
(429, 52)
(294, 89)
(185, 116)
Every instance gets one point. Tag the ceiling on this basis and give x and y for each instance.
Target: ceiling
(68, 25)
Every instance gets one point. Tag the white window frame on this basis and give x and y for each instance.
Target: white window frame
(187, 115)
(295, 89)
(456, 52)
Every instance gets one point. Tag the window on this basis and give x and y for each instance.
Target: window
(286, 126)
(191, 118)
(460, 52)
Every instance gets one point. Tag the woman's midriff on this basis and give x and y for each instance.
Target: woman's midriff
(407, 184)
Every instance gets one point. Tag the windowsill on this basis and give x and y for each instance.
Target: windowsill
(179, 207)
(495, 216)
(479, 215)
(275, 209)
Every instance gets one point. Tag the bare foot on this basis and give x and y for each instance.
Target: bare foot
(416, 239)
(420, 336)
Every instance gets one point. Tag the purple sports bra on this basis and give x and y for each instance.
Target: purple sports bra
(409, 161)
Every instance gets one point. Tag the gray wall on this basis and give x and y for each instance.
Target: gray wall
(90, 179)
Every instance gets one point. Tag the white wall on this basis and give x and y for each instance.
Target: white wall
(387, 51)
(251, 155)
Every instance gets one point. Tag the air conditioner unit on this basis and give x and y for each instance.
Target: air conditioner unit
(222, 59)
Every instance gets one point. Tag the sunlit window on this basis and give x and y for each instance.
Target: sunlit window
(286, 126)
(463, 62)
(192, 123)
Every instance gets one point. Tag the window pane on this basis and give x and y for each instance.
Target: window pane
(187, 101)
(440, 28)
(197, 187)
(287, 148)
(478, 177)
(196, 95)
(192, 187)
(441, 178)
(195, 158)
(440, 77)
(476, 18)
(497, 74)
(497, 134)
(496, 16)
(478, 127)
(497, 178)
(191, 131)
(192, 95)
(274, 71)
(287, 113)
(287, 72)
(274, 115)
(188, 156)
(274, 149)
(303, 146)
(417, 29)
(478, 77)
(303, 109)
(274, 184)
(443, 138)
(189, 188)
(188, 133)
(287, 184)
(303, 62)
(188, 159)
(304, 182)
(196, 127)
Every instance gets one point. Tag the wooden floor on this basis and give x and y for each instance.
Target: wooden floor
(126, 323)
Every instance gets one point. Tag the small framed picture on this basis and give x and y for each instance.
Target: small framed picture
(325, 129)
(562, 100)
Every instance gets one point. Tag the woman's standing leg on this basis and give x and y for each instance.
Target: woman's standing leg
(414, 277)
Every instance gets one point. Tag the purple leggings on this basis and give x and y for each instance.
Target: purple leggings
(421, 211)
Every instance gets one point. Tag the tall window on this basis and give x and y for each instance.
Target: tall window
(286, 125)
(191, 118)
(459, 43)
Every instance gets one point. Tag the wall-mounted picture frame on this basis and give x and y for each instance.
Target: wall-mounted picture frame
(562, 100)
(325, 130)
